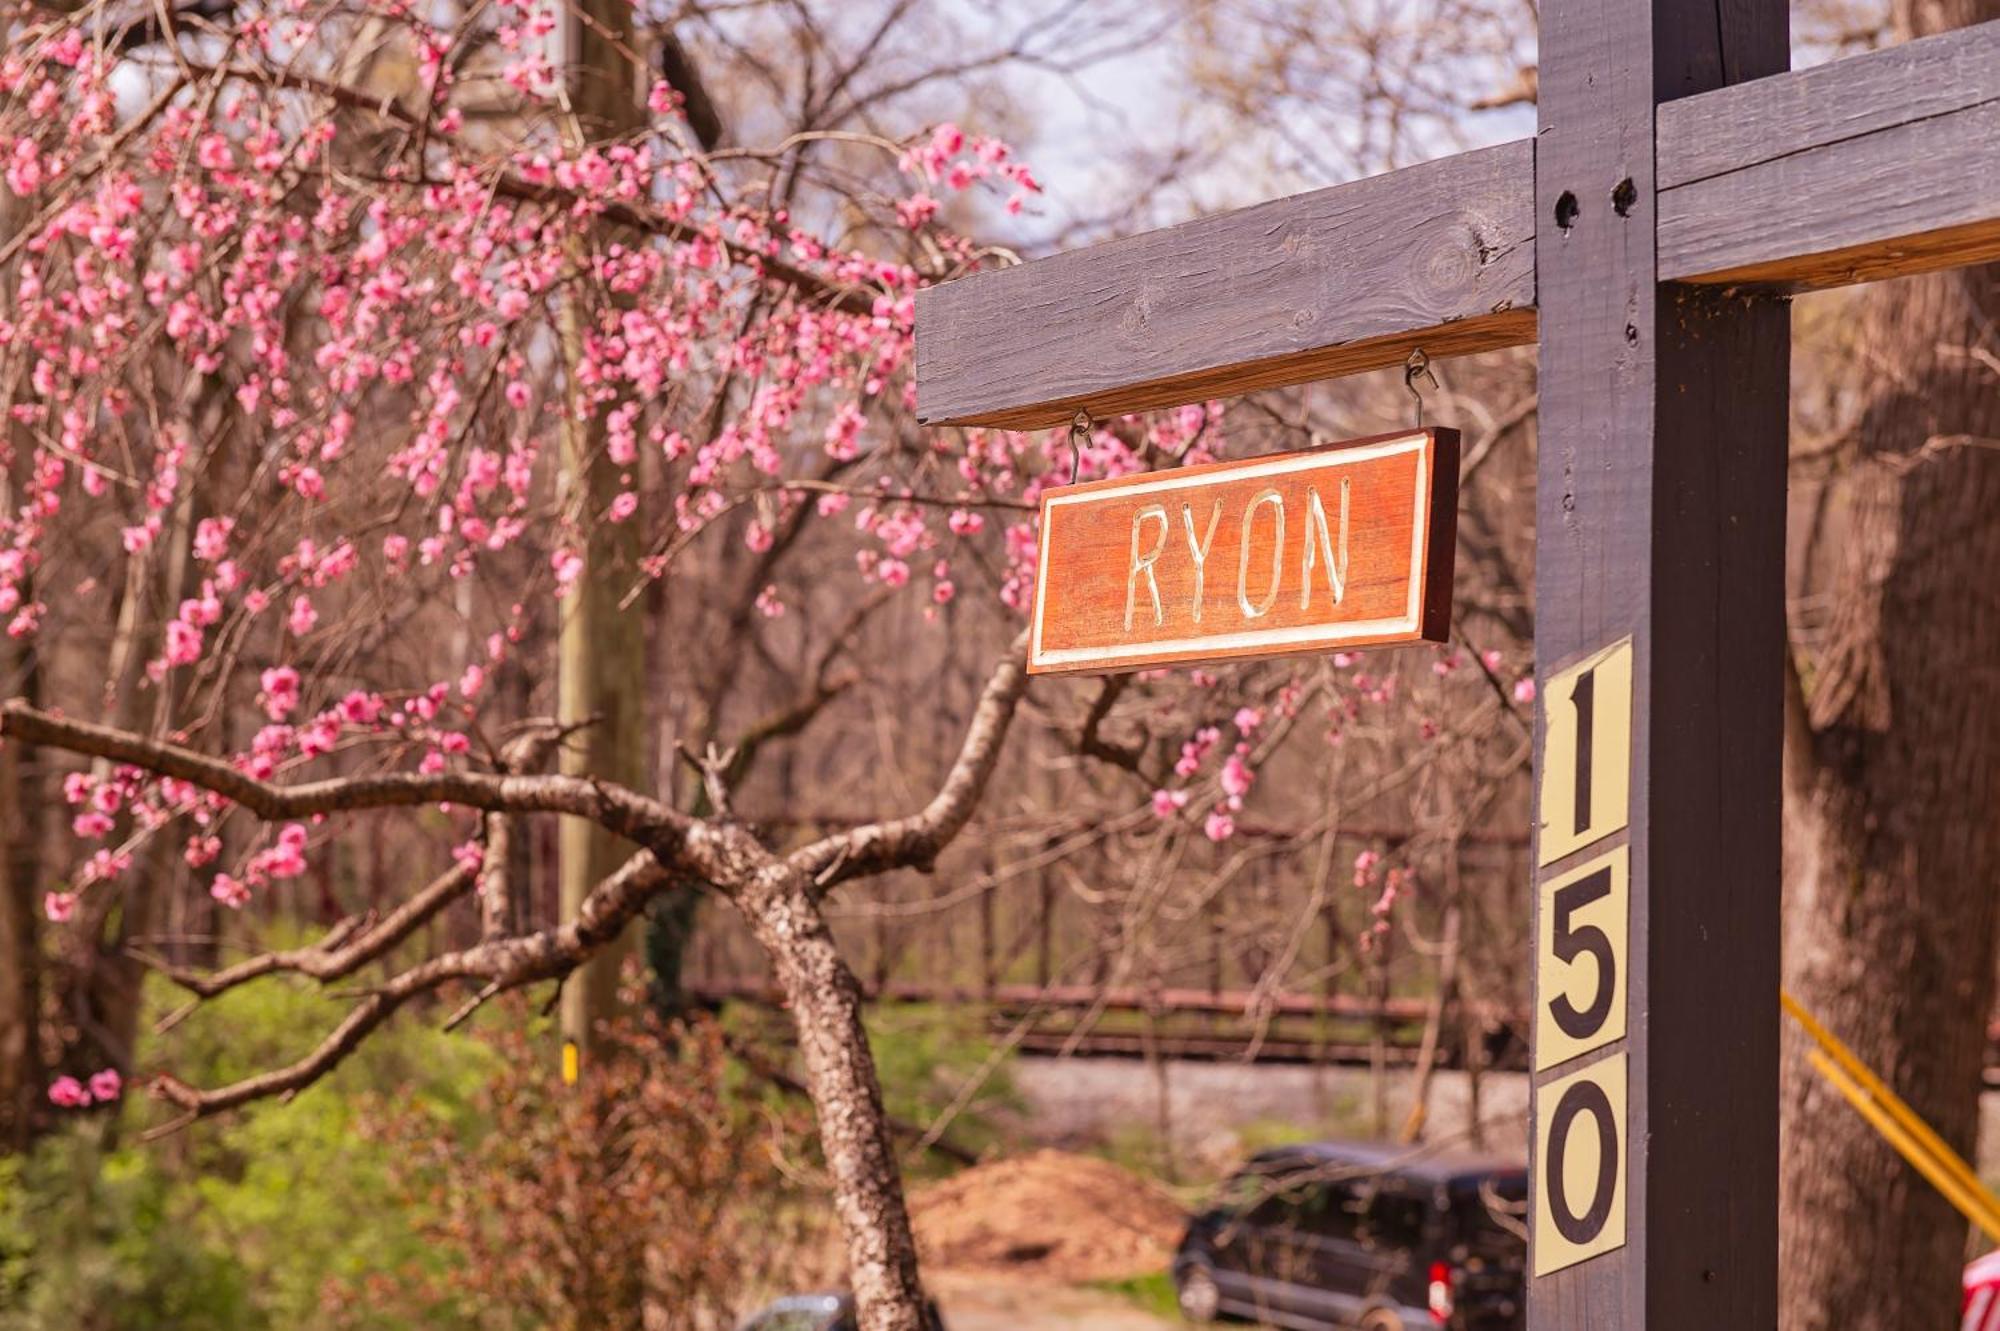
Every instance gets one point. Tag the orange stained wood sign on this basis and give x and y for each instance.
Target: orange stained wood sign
(1348, 545)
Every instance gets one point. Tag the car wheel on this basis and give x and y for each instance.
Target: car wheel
(1381, 1320)
(1199, 1297)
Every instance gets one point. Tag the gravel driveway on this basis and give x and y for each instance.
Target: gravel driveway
(989, 1303)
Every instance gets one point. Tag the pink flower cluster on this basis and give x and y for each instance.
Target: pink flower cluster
(103, 1087)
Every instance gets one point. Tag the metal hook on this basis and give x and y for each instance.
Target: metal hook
(1418, 366)
(1079, 431)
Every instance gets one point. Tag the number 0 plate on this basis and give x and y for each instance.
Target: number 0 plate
(1579, 1187)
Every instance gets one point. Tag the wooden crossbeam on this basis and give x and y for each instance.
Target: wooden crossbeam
(1875, 166)
(1321, 284)
(1878, 166)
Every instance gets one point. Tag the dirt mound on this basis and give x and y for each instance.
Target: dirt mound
(1051, 1216)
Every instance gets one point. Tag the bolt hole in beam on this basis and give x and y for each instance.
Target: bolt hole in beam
(1623, 195)
(1566, 210)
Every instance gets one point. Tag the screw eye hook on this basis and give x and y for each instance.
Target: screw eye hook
(1418, 366)
(1079, 434)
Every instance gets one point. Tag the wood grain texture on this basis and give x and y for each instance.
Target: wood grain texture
(1660, 516)
(1732, 128)
(1238, 559)
(1330, 282)
(1878, 166)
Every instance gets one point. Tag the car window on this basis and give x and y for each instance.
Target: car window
(1393, 1220)
(1331, 1208)
(1265, 1193)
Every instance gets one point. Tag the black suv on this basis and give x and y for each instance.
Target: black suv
(1347, 1234)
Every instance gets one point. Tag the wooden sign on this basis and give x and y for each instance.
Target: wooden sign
(1345, 546)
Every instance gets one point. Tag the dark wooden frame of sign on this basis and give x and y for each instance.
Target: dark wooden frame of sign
(1704, 184)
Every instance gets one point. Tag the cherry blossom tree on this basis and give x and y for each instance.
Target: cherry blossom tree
(297, 334)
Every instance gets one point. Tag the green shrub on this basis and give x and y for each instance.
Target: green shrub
(243, 1221)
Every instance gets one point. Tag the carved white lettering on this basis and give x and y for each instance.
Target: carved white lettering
(1199, 549)
(1336, 566)
(1144, 564)
(1277, 503)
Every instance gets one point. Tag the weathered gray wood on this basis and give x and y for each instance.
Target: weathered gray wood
(1332, 282)
(1871, 167)
(1876, 166)
(1660, 498)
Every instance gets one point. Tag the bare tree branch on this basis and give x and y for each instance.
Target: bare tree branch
(337, 955)
(915, 841)
(505, 964)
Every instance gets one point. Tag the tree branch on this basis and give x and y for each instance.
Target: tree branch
(505, 964)
(1091, 742)
(916, 840)
(624, 811)
(337, 955)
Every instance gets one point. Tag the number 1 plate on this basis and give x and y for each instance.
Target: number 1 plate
(1586, 752)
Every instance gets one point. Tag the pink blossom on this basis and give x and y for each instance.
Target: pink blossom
(1364, 867)
(1195, 751)
(943, 592)
(623, 507)
(472, 681)
(361, 709)
(303, 616)
(1219, 826)
(768, 604)
(281, 691)
(106, 1084)
(568, 565)
(1166, 803)
(68, 1093)
(1524, 689)
(1237, 779)
(59, 906)
(229, 891)
(964, 523)
(1247, 719)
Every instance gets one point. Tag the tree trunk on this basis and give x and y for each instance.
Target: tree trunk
(1892, 807)
(601, 646)
(21, 1073)
(825, 1002)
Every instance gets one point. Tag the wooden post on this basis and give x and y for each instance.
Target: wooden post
(1659, 633)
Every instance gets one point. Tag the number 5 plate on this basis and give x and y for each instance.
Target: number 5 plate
(1580, 991)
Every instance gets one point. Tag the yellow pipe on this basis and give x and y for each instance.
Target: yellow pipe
(1900, 1125)
(1975, 1205)
(1912, 1122)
